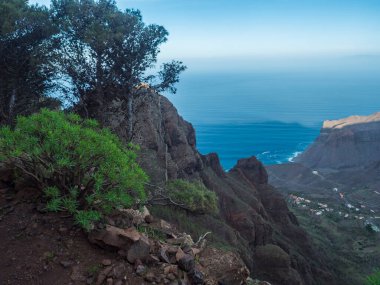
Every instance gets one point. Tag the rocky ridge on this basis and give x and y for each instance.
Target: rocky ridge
(254, 217)
(345, 143)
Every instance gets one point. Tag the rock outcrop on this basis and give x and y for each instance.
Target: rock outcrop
(254, 218)
(345, 143)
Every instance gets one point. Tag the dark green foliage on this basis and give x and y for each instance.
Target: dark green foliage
(373, 279)
(79, 167)
(193, 195)
(25, 71)
(105, 52)
(85, 52)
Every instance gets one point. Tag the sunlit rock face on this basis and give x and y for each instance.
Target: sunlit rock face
(344, 143)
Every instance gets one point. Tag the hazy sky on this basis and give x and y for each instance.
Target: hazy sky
(202, 29)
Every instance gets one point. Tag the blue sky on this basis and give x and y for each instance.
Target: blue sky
(214, 29)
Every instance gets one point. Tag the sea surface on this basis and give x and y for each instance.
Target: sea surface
(273, 115)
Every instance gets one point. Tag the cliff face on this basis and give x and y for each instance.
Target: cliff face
(254, 218)
(349, 142)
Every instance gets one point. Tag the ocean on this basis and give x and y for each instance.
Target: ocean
(271, 114)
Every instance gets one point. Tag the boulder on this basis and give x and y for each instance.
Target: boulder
(139, 250)
(114, 237)
(222, 267)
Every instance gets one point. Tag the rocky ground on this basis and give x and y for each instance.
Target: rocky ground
(130, 247)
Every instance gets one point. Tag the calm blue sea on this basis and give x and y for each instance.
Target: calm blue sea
(271, 114)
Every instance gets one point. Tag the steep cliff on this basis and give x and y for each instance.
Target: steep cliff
(254, 217)
(348, 142)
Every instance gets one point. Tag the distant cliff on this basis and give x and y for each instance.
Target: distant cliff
(344, 143)
(333, 189)
(254, 217)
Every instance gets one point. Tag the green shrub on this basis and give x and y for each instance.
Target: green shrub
(373, 279)
(193, 195)
(79, 166)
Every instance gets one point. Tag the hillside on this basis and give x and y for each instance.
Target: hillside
(254, 217)
(254, 222)
(333, 190)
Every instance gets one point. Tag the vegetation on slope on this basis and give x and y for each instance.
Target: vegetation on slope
(80, 167)
(373, 279)
(350, 247)
(193, 196)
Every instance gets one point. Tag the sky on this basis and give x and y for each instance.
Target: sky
(202, 32)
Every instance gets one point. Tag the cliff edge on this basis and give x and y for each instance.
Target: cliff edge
(345, 143)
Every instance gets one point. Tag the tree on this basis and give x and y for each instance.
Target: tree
(25, 72)
(105, 53)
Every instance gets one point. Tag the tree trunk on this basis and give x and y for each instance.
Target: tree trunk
(12, 103)
(130, 116)
(166, 162)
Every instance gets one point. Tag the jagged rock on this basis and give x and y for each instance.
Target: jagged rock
(163, 256)
(197, 277)
(187, 263)
(196, 251)
(114, 237)
(212, 160)
(179, 254)
(252, 170)
(139, 250)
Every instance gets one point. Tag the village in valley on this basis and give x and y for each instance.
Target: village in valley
(342, 209)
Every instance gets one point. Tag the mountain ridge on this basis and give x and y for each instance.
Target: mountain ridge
(254, 217)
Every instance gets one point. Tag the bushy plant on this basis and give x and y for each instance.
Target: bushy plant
(79, 166)
(373, 279)
(193, 196)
